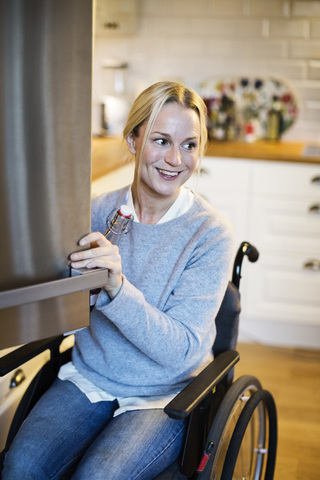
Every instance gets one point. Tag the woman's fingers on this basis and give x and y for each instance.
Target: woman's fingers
(94, 237)
(100, 246)
(93, 253)
(102, 254)
(96, 257)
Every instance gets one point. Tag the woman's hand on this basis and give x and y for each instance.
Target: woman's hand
(103, 254)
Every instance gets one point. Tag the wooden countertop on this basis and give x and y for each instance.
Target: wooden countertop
(264, 150)
(109, 154)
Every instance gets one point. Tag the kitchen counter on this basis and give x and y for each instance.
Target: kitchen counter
(264, 150)
(108, 154)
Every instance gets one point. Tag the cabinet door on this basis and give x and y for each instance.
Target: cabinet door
(115, 17)
(293, 224)
(286, 180)
(283, 287)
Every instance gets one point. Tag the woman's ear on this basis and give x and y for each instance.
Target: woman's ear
(131, 142)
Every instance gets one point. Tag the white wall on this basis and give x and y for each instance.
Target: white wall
(193, 40)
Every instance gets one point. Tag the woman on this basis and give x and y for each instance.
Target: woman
(152, 328)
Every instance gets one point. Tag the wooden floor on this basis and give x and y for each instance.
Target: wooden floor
(293, 377)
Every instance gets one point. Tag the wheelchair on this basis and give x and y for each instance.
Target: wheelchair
(232, 425)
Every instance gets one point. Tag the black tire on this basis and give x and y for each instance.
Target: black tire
(260, 396)
(222, 427)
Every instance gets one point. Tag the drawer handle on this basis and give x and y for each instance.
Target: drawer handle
(313, 265)
(316, 179)
(112, 25)
(17, 378)
(315, 208)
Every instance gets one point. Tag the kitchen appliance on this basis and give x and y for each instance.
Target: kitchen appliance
(45, 176)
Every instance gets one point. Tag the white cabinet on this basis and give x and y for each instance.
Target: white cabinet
(276, 206)
(285, 223)
(114, 18)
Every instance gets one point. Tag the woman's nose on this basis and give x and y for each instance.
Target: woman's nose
(173, 157)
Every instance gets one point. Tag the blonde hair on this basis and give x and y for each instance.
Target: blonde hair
(148, 104)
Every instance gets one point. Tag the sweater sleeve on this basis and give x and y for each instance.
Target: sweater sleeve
(174, 335)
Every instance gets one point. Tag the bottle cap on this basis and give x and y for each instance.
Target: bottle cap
(125, 211)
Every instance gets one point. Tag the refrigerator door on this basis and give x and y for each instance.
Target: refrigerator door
(45, 176)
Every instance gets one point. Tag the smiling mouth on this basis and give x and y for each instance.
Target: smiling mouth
(167, 173)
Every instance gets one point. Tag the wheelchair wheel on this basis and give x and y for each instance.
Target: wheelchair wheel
(249, 464)
(230, 465)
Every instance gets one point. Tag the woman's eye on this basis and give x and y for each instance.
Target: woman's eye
(161, 141)
(190, 145)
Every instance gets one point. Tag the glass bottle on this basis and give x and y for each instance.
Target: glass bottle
(274, 121)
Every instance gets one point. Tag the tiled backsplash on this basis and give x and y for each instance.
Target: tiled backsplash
(193, 40)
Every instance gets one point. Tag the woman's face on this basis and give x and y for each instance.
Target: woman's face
(171, 151)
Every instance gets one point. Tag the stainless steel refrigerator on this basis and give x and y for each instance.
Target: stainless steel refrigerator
(45, 175)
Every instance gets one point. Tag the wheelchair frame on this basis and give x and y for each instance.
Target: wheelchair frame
(226, 420)
(225, 417)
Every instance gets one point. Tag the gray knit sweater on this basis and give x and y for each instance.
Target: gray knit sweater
(158, 331)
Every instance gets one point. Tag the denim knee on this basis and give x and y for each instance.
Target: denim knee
(17, 466)
(136, 445)
(55, 434)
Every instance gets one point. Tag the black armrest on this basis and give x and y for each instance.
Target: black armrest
(30, 350)
(193, 394)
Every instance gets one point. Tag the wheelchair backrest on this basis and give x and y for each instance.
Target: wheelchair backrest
(227, 321)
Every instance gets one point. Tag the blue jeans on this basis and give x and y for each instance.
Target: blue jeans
(64, 429)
